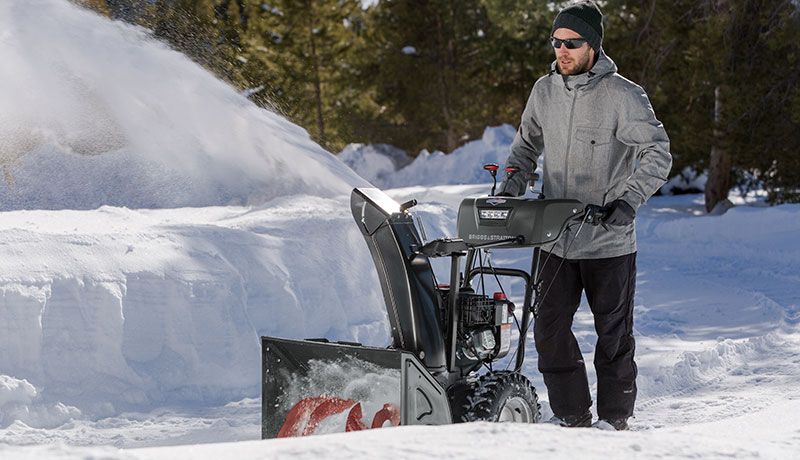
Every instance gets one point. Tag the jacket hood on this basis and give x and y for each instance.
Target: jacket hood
(604, 66)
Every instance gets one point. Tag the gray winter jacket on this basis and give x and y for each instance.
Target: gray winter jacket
(601, 141)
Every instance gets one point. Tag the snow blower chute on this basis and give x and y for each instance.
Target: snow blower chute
(442, 335)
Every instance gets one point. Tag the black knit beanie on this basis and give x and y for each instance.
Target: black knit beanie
(584, 18)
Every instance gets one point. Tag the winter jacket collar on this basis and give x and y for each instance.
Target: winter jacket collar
(603, 66)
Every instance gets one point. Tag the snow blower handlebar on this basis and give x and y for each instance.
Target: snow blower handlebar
(594, 214)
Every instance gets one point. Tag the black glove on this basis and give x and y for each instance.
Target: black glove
(618, 212)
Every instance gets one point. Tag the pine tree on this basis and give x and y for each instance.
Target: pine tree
(746, 51)
(430, 76)
(704, 66)
(765, 76)
(516, 54)
(208, 31)
(303, 49)
(98, 6)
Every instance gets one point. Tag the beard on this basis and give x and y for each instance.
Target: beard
(575, 66)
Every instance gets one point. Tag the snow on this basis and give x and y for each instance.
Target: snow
(376, 162)
(139, 124)
(462, 166)
(687, 181)
(116, 295)
(134, 308)
(156, 228)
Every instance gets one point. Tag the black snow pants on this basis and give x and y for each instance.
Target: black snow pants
(609, 285)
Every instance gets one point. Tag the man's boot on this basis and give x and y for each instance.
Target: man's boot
(583, 420)
(618, 424)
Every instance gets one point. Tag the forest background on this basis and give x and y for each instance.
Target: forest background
(722, 75)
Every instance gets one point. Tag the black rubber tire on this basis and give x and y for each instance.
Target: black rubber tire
(495, 396)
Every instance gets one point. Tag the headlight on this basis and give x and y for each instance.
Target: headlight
(494, 214)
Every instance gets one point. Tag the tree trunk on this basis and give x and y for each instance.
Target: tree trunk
(719, 168)
(317, 81)
(444, 93)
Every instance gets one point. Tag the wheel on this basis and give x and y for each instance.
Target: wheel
(502, 396)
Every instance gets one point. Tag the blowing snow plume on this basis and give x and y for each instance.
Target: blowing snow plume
(95, 112)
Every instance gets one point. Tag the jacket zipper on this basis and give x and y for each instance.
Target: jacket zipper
(569, 143)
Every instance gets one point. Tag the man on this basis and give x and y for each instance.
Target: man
(602, 144)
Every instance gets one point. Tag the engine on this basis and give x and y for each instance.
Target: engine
(484, 325)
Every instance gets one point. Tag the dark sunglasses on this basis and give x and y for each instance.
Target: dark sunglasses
(572, 43)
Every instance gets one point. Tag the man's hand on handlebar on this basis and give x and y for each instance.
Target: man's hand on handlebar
(617, 213)
(594, 214)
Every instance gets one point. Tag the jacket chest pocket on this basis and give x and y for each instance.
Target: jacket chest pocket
(593, 155)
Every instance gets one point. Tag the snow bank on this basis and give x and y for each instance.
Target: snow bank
(20, 403)
(115, 309)
(375, 162)
(463, 166)
(95, 112)
(687, 181)
(15, 391)
(695, 368)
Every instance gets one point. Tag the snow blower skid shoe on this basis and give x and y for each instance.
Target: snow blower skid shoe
(445, 338)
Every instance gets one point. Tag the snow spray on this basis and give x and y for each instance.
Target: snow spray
(97, 112)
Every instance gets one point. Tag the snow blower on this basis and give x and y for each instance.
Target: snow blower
(442, 335)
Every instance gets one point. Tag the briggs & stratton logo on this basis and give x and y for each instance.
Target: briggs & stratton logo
(495, 201)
